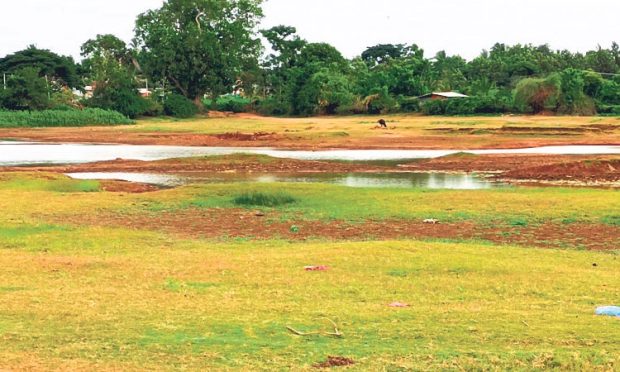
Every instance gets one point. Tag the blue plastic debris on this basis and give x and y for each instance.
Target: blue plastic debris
(608, 311)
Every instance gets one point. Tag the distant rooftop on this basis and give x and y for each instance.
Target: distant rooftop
(444, 95)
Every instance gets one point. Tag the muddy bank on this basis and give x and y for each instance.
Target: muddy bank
(240, 163)
(532, 168)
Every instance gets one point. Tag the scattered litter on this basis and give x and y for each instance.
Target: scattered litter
(316, 268)
(608, 311)
(259, 214)
(334, 361)
(431, 221)
(398, 304)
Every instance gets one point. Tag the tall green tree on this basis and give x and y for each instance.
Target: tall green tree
(60, 70)
(112, 69)
(26, 90)
(199, 46)
(104, 55)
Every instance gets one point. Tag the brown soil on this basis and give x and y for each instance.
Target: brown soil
(240, 223)
(334, 361)
(127, 187)
(528, 167)
(534, 131)
(237, 136)
(220, 164)
(394, 138)
(585, 171)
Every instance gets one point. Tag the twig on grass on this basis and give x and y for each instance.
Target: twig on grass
(336, 332)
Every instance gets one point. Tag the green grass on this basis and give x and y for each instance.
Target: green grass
(61, 118)
(53, 183)
(261, 199)
(133, 297)
(226, 306)
(516, 206)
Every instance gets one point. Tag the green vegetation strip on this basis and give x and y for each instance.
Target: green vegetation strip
(61, 118)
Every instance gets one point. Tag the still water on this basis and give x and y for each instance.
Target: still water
(379, 180)
(27, 153)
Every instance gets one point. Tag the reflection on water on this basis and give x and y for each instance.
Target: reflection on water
(23, 153)
(150, 178)
(380, 180)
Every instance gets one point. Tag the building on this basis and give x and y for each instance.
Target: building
(442, 96)
(145, 92)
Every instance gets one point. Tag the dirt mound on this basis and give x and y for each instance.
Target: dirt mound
(584, 171)
(238, 136)
(334, 361)
(238, 163)
(127, 187)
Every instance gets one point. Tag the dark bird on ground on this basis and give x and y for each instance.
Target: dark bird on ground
(382, 123)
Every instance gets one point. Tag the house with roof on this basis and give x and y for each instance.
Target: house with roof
(442, 96)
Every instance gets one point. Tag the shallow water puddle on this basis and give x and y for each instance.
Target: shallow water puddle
(429, 180)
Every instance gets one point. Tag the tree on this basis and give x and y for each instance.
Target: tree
(106, 54)
(60, 70)
(324, 93)
(534, 95)
(112, 70)
(26, 90)
(381, 53)
(199, 46)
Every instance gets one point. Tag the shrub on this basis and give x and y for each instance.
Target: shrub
(466, 106)
(153, 108)
(61, 118)
(233, 103)
(381, 103)
(533, 95)
(179, 106)
(272, 106)
(434, 107)
(409, 104)
(264, 199)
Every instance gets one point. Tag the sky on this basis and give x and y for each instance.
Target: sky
(463, 27)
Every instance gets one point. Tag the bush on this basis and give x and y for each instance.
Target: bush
(61, 118)
(434, 107)
(179, 106)
(153, 108)
(263, 199)
(409, 104)
(272, 106)
(124, 100)
(231, 103)
(608, 109)
(381, 102)
(466, 106)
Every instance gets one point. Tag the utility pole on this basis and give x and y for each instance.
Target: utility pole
(47, 84)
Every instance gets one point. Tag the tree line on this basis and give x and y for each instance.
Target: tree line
(197, 53)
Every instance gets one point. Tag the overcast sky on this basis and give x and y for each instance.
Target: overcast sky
(462, 27)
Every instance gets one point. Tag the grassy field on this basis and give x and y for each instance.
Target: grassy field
(77, 292)
(405, 131)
